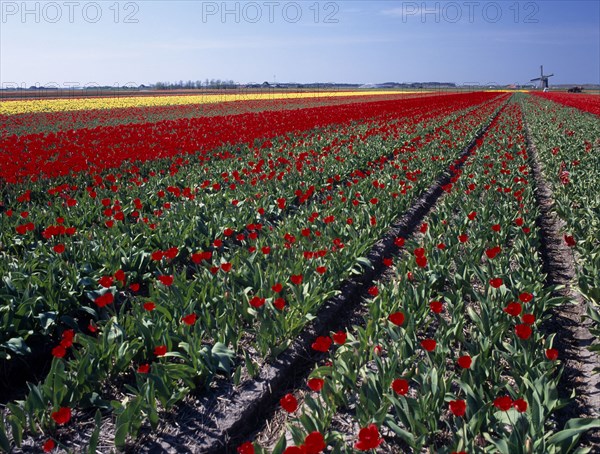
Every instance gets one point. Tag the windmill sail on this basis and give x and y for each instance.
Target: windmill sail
(543, 78)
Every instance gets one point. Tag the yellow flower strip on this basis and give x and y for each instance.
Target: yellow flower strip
(115, 102)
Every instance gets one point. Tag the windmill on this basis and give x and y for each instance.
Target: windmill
(543, 79)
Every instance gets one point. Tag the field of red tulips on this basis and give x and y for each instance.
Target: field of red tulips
(587, 103)
(28, 123)
(298, 276)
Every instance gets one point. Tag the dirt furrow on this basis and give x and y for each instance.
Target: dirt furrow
(568, 321)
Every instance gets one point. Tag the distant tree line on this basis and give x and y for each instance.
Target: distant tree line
(191, 84)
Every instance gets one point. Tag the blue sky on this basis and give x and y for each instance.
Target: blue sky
(108, 42)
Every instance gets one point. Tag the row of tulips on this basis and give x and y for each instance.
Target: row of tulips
(45, 122)
(585, 102)
(450, 357)
(568, 144)
(238, 196)
(58, 104)
(33, 156)
(162, 312)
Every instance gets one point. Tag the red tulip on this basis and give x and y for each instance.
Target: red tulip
(397, 318)
(419, 252)
(520, 405)
(226, 267)
(513, 309)
(279, 303)
(105, 281)
(503, 403)
(62, 416)
(49, 445)
(340, 337)
(399, 241)
(529, 319)
(525, 297)
(246, 448)
(314, 443)
(289, 403)
(316, 384)
(493, 252)
(436, 307)
(67, 338)
(322, 343)
(458, 407)
(400, 386)
(428, 344)
(496, 282)
(256, 301)
(104, 300)
(523, 331)
(295, 450)
(171, 253)
(166, 280)
(59, 351)
(120, 276)
(464, 361)
(368, 438)
(189, 319)
(161, 350)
